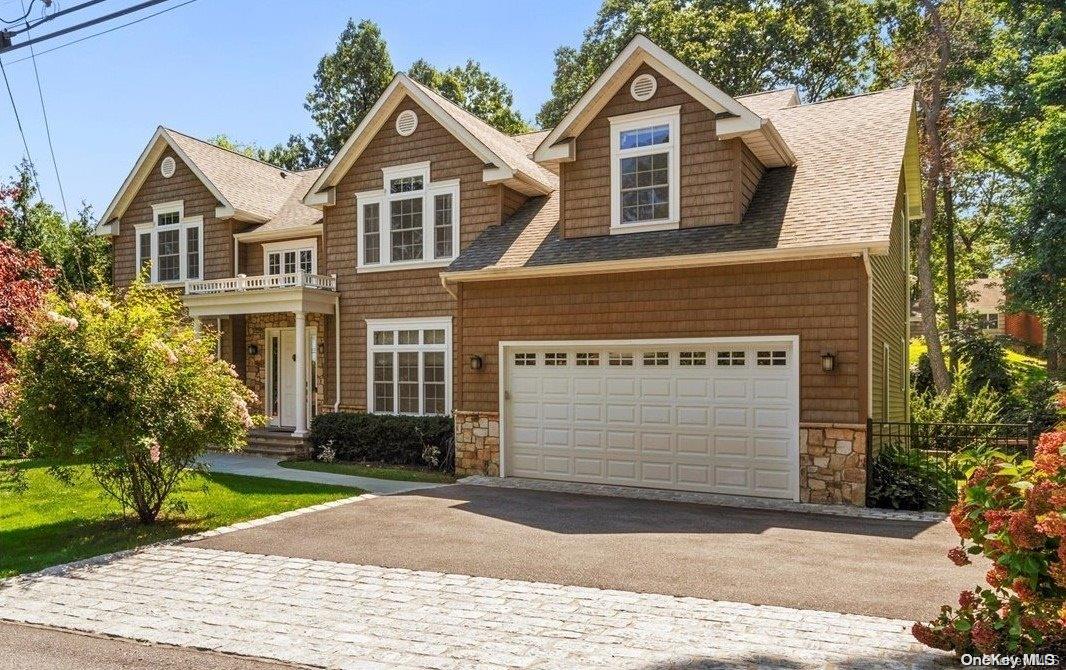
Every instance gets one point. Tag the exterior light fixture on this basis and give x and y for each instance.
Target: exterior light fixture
(476, 362)
(253, 350)
(829, 362)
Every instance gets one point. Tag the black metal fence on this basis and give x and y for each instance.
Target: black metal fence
(909, 465)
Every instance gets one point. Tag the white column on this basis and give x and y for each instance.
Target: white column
(301, 375)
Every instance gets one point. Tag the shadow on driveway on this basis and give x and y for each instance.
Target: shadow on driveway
(860, 566)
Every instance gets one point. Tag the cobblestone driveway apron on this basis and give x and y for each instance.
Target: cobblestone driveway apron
(340, 615)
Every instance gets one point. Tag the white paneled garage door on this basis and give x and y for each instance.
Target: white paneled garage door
(718, 416)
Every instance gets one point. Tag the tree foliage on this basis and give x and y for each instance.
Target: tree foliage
(475, 90)
(826, 48)
(96, 381)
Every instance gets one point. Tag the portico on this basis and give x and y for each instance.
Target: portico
(290, 353)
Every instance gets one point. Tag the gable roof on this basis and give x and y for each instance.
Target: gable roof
(505, 160)
(294, 217)
(246, 189)
(988, 294)
(735, 118)
(840, 197)
(770, 101)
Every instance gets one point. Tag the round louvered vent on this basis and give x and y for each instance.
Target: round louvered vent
(166, 168)
(643, 87)
(406, 122)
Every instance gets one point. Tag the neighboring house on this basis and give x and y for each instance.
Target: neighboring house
(648, 294)
(988, 302)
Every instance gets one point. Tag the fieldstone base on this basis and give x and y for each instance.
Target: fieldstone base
(477, 443)
(833, 463)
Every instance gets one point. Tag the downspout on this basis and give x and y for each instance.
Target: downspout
(337, 353)
(236, 255)
(869, 333)
(447, 287)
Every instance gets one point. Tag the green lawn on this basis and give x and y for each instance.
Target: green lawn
(1021, 366)
(377, 471)
(51, 523)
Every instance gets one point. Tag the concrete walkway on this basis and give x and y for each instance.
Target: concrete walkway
(263, 466)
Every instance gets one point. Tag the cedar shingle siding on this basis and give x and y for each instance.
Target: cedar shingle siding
(183, 185)
(710, 168)
(397, 293)
(821, 301)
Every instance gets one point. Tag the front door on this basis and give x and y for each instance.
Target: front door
(282, 386)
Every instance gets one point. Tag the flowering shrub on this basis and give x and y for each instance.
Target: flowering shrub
(127, 386)
(1014, 513)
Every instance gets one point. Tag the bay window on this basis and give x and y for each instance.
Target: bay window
(409, 366)
(172, 244)
(645, 170)
(410, 222)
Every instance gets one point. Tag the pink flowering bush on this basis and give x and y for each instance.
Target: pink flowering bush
(125, 385)
(1013, 512)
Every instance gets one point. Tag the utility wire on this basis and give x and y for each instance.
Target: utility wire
(84, 24)
(18, 121)
(55, 15)
(23, 17)
(104, 32)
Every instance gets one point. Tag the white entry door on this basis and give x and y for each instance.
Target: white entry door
(715, 416)
(282, 382)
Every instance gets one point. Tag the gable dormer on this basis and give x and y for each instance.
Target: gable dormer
(653, 146)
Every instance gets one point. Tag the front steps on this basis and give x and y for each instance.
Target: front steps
(277, 444)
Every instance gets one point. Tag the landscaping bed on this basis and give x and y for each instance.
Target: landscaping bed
(50, 523)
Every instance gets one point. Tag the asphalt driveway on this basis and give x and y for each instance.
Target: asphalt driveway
(883, 568)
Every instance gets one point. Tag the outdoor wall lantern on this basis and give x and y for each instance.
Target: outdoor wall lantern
(253, 350)
(829, 361)
(476, 362)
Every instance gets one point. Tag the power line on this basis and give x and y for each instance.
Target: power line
(55, 15)
(18, 122)
(23, 17)
(83, 24)
(109, 30)
(48, 130)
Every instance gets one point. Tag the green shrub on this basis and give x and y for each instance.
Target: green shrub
(922, 375)
(910, 480)
(984, 358)
(385, 438)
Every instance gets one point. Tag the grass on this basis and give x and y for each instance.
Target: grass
(400, 473)
(1029, 368)
(52, 523)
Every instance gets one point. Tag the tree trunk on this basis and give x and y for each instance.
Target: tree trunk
(932, 109)
(949, 262)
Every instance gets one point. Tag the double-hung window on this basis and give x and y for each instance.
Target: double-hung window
(411, 222)
(645, 170)
(285, 259)
(409, 366)
(172, 244)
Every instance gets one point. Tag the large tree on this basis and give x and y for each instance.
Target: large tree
(475, 90)
(824, 47)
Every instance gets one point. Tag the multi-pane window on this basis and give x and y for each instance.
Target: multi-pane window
(442, 226)
(288, 258)
(656, 358)
(171, 244)
(405, 225)
(692, 358)
(644, 168)
(583, 359)
(777, 358)
(624, 360)
(410, 221)
(409, 364)
(372, 233)
(988, 321)
(730, 358)
(555, 358)
(523, 359)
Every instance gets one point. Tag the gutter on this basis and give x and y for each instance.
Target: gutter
(492, 273)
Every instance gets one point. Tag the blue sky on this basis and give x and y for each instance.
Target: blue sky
(242, 67)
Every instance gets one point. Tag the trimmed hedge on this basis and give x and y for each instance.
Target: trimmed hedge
(386, 438)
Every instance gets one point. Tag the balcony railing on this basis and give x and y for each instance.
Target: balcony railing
(262, 283)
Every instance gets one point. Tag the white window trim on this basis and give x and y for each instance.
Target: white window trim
(291, 245)
(184, 223)
(437, 323)
(383, 198)
(672, 117)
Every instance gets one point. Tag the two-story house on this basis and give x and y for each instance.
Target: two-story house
(673, 288)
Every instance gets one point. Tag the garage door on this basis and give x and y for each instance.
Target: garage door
(715, 416)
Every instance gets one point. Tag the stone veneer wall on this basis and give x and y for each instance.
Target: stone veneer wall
(832, 456)
(477, 443)
(833, 463)
(256, 372)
